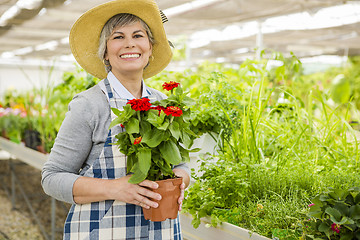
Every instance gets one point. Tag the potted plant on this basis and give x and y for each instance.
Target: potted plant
(157, 137)
(334, 214)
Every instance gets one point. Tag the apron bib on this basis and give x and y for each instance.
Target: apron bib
(111, 219)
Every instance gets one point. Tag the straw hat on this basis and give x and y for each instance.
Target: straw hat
(85, 34)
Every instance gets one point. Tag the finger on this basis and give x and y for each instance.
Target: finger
(182, 191)
(141, 204)
(181, 198)
(149, 184)
(149, 194)
(146, 203)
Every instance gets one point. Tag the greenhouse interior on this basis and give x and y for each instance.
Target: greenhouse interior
(271, 104)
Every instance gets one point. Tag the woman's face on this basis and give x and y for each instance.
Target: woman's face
(128, 49)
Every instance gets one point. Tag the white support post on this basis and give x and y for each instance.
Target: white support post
(188, 53)
(259, 40)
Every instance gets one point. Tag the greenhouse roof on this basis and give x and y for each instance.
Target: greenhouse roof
(218, 30)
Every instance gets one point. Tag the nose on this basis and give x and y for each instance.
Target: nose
(130, 43)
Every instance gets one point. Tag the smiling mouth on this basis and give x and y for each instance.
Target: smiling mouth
(130, 56)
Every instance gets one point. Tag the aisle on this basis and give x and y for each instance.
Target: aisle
(19, 224)
(14, 224)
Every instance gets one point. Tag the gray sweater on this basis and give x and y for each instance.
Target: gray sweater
(78, 144)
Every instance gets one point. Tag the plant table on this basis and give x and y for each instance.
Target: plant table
(225, 231)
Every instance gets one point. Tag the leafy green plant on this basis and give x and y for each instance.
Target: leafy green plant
(289, 146)
(334, 214)
(157, 135)
(217, 187)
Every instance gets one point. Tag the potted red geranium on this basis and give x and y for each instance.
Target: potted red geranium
(157, 137)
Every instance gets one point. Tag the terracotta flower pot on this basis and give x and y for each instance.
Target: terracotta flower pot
(169, 189)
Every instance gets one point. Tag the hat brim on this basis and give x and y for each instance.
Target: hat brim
(85, 34)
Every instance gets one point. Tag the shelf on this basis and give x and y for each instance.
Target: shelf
(27, 155)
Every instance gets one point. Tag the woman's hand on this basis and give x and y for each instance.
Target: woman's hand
(138, 194)
(87, 190)
(181, 198)
(186, 180)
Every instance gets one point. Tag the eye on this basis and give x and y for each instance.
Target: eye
(118, 37)
(138, 36)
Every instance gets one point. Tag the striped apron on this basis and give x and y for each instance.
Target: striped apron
(112, 219)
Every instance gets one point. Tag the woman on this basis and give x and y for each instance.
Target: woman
(121, 42)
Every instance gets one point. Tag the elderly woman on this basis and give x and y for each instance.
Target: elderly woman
(121, 42)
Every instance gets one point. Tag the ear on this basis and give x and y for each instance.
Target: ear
(151, 47)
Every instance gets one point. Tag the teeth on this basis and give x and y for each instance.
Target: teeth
(130, 56)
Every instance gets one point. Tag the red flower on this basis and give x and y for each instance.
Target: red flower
(335, 227)
(142, 104)
(159, 108)
(311, 204)
(121, 125)
(173, 111)
(137, 140)
(170, 85)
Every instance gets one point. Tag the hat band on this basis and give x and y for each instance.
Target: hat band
(164, 19)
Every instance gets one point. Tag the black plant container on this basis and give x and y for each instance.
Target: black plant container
(32, 139)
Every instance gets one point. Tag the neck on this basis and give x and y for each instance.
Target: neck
(131, 82)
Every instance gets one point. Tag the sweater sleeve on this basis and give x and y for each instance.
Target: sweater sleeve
(71, 149)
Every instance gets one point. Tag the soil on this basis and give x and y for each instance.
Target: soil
(17, 223)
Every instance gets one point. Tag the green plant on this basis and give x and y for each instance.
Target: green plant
(334, 214)
(157, 135)
(217, 187)
(290, 142)
(13, 121)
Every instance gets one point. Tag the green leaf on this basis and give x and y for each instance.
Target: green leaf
(145, 127)
(186, 140)
(116, 111)
(138, 176)
(170, 152)
(344, 220)
(166, 168)
(155, 119)
(339, 194)
(132, 126)
(123, 142)
(179, 91)
(130, 161)
(323, 227)
(144, 156)
(123, 116)
(333, 213)
(342, 208)
(355, 212)
(175, 130)
(115, 122)
(351, 227)
(187, 101)
(154, 137)
(185, 154)
(340, 89)
(196, 222)
(164, 125)
(316, 214)
(346, 236)
(357, 199)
